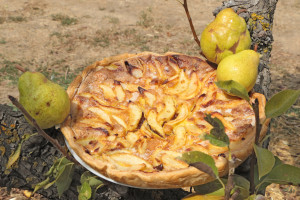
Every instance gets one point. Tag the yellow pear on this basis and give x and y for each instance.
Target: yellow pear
(241, 67)
(226, 35)
(48, 103)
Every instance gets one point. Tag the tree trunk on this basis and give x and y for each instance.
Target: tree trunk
(38, 155)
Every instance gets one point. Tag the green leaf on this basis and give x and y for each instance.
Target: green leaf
(64, 179)
(265, 160)
(41, 184)
(284, 174)
(281, 102)
(203, 197)
(217, 134)
(252, 197)
(241, 181)
(62, 162)
(234, 88)
(201, 161)
(243, 185)
(14, 156)
(92, 180)
(260, 183)
(64, 175)
(49, 185)
(85, 191)
(213, 187)
(50, 171)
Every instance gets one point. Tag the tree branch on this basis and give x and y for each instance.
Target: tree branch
(185, 6)
(253, 157)
(41, 131)
(230, 182)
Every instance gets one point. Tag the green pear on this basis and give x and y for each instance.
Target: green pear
(241, 67)
(48, 103)
(226, 35)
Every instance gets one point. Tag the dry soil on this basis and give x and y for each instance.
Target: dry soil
(60, 37)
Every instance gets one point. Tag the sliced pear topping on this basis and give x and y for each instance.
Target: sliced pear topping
(112, 109)
(193, 88)
(135, 115)
(180, 136)
(132, 137)
(193, 128)
(120, 93)
(159, 69)
(120, 121)
(133, 70)
(181, 86)
(151, 118)
(137, 73)
(111, 138)
(170, 162)
(142, 147)
(128, 161)
(183, 112)
(150, 98)
(130, 87)
(108, 92)
(146, 129)
(94, 123)
(169, 110)
(102, 114)
(99, 100)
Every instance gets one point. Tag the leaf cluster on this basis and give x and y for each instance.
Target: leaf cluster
(269, 168)
(89, 185)
(60, 174)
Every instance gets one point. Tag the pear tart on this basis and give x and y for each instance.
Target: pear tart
(133, 115)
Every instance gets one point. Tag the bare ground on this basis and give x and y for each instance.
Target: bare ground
(61, 37)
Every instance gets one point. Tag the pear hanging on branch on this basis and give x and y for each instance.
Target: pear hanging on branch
(241, 67)
(226, 35)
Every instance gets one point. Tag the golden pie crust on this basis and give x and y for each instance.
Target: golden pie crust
(133, 115)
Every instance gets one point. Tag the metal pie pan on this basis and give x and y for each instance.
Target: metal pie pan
(96, 172)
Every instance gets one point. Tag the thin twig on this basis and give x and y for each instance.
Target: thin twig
(41, 131)
(253, 157)
(185, 6)
(20, 68)
(235, 194)
(66, 74)
(230, 182)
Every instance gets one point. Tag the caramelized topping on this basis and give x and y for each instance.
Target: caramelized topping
(152, 110)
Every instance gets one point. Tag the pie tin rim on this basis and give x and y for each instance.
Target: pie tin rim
(92, 170)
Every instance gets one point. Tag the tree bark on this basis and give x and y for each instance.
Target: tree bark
(38, 155)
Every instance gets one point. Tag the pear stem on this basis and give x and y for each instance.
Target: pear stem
(255, 47)
(241, 11)
(185, 6)
(53, 141)
(20, 68)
